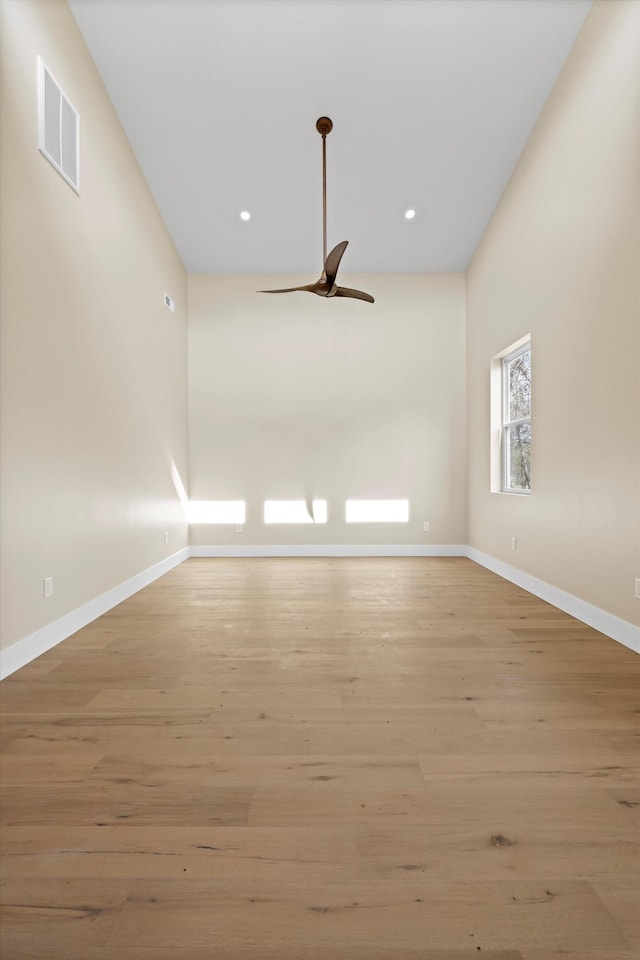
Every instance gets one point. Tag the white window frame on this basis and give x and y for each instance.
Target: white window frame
(507, 423)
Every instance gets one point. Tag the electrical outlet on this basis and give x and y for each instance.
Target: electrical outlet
(426, 526)
(239, 528)
(165, 538)
(638, 587)
(514, 543)
(47, 587)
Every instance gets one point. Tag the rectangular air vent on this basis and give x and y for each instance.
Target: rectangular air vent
(168, 302)
(59, 128)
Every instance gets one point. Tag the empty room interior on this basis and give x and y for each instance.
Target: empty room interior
(320, 561)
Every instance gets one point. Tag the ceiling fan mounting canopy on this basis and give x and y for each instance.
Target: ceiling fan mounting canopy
(324, 125)
(326, 285)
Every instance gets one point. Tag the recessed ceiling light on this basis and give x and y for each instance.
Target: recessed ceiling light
(409, 214)
(245, 215)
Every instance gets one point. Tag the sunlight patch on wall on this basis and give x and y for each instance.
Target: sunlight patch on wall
(377, 511)
(179, 485)
(295, 511)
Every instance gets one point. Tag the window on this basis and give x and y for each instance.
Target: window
(515, 441)
(377, 511)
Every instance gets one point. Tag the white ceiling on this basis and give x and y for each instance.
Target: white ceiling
(432, 103)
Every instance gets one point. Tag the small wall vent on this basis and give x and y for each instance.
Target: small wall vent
(168, 302)
(59, 128)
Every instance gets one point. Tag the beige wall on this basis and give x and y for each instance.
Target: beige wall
(560, 260)
(93, 364)
(294, 396)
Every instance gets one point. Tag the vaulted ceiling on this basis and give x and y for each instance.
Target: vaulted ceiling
(432, 103)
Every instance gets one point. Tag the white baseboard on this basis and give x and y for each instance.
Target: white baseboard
(47, 637)
(37, 643)
(332, 550)
(621, 630)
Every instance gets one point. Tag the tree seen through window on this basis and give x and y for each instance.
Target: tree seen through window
(516, 437)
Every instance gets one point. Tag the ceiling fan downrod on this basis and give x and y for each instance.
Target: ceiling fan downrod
(324, 126)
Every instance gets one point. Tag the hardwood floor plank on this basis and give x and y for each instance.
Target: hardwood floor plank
(580, 955)
(19, 769)
(280, 772)
(256, 951)
(173, 852)
(43, 918)
(17, 696)
(496, 915)
(204, 698)
(438, 800)
(361, 738)
(625, 741)
(518, 845)
(622, 901)
(608, 768)
(130, 802)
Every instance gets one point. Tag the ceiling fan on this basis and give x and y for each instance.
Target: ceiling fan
(326, 285)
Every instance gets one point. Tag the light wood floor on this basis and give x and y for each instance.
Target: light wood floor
(368, 759)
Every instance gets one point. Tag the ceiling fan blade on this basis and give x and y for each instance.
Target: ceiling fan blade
(308, 286)
(354, 294)
(332, 262)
